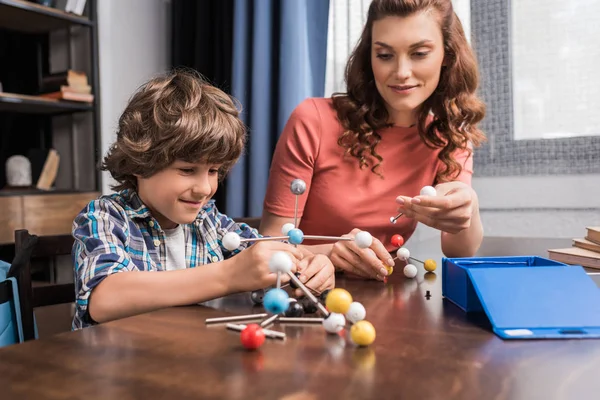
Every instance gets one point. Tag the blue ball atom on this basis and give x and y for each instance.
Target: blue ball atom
(276, 301)
(296, 236)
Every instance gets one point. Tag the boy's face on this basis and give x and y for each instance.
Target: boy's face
(176, 194)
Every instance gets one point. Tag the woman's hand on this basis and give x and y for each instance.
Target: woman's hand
(367, 263)
(451, 210)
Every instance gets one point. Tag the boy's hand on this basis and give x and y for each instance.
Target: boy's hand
(367, 263)
(251, 266)
(317, 273)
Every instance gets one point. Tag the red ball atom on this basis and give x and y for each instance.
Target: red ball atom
(252, 337)
(397, 240)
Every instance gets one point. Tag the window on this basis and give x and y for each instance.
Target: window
(555, 58)
(346, 21)
(522, 47)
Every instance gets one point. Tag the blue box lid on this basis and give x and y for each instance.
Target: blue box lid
(543, 302)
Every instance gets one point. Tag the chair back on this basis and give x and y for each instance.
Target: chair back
(27, 248)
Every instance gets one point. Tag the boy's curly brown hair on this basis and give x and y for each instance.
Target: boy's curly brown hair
(175, 116)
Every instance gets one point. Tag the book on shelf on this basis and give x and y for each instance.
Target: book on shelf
(576, 256)
(584, 251)
(70, 6)
(53, 82)
(49, 171)
(66, 94)
(75, 6)
(586, 244)
(67, 85)
(593, 234)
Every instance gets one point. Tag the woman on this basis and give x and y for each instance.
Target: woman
(408, 120)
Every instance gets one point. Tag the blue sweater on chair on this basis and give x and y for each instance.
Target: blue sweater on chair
(11, 330)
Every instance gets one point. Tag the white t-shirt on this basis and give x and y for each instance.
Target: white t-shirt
(175, 244)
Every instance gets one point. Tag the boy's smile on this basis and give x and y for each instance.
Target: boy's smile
(177, 194)
(191, 203)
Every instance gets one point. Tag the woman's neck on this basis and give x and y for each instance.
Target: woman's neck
(404, 119)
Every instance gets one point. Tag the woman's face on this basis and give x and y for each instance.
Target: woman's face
(406, 57)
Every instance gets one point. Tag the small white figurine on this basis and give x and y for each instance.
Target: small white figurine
(18, 171)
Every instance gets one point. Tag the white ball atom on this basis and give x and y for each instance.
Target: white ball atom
(356, 312)
(428, 191)
(280, 262)
(403, 253)
(410, 271)
(231, 241)
(334, 323)
(363, 239)
(286, 228)
(298, 186)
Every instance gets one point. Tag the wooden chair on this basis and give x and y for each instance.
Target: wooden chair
(27, 248)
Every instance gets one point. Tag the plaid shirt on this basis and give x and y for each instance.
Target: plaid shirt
(117, 233)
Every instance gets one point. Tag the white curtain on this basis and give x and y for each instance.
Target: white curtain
(346, 20)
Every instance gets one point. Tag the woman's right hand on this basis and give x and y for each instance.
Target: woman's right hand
(251, 266)
(367, 263)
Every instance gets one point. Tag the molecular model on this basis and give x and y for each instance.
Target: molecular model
(339, 308)
(410, 270)
(425, 191)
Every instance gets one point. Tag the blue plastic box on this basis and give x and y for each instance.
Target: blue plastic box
(457, 286)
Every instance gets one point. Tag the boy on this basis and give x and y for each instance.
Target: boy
(136, 250)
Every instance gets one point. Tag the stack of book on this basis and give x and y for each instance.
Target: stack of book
(68, 85)
(584, 251)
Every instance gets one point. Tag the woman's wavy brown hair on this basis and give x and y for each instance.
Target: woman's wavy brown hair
(454, 104)
(176, 116)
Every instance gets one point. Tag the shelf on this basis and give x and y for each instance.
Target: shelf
(17, 192)
(29, 17)
(20, 103)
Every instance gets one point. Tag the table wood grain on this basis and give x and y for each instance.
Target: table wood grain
(425, 349)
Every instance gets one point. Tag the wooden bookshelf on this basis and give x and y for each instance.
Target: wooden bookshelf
(26, 16)
(33, 39)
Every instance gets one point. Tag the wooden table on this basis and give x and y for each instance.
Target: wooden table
(425, 349)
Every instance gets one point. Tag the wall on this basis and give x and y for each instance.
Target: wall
(134, 44)
(535, 206)
(542, 206)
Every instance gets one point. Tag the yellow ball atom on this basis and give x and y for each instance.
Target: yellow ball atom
(390, 270)
(362, 333)
(338, 301)
(429, 265)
